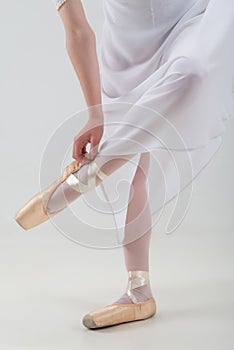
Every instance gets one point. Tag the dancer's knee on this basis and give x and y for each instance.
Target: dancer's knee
(139, 181)
(140, 177)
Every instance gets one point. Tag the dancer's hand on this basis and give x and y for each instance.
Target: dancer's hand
(91, 133)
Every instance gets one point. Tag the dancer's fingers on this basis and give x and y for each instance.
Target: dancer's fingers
(79, 149)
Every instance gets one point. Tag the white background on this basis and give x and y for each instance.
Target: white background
(47, 282)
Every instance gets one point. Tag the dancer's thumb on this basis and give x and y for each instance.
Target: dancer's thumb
(93, 147)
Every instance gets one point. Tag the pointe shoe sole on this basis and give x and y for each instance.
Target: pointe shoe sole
(34, 212)
(119, 313)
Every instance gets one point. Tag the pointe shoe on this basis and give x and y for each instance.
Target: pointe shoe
(115, 314)
(34, 212)
(119, 313)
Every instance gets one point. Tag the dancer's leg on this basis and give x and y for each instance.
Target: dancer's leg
(138, 219)
(138, 224)
(65, 194)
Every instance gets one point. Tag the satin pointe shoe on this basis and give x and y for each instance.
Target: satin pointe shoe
(115, 314)
(34, 212)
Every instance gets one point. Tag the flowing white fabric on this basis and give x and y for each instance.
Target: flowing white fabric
(167, 72)
(167, 75)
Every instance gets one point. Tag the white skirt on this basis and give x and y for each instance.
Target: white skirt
(167, 75)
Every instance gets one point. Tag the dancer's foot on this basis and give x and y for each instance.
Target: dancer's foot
(34, 212)
(136, 304)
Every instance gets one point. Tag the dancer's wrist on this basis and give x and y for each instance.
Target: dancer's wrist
(97, 120)
(96, 113)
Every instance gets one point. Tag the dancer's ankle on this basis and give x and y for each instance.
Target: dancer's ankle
(138, 289)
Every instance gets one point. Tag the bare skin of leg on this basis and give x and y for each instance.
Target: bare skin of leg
(138, 229)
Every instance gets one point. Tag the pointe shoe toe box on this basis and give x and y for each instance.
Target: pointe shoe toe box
(34, 212)
(119, 313)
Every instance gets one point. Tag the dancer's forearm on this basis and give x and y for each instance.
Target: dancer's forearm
(81, 48)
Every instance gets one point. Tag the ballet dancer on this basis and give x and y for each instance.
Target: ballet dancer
(168, 56)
